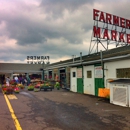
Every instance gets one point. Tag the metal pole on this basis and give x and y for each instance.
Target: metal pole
(43, 71)
(73, 56)
(80, 57)
(102, 67)
(101, 59)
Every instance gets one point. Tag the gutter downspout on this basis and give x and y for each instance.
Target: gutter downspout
(102, 68)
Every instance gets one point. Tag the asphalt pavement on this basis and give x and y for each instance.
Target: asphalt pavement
(6, 121)
(63, 110)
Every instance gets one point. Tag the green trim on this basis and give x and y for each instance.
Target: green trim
(80, 85)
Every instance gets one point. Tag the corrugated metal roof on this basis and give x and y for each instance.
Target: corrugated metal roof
(120, 51)
(112, 54)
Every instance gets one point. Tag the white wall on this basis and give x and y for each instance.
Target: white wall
(111, 67)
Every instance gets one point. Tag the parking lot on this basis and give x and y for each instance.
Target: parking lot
(63, 110)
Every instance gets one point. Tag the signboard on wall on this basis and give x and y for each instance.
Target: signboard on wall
(98, 72)
(79, 72)
(38, 59)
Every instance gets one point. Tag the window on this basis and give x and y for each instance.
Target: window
(89, 74)
(74, 74)
(123, 73)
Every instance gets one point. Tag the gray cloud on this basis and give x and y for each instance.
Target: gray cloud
(26, 30)
(56, 28)
(57, 7)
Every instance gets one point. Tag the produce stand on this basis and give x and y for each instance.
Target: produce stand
(45, 86)
(57, 85)
(21, 86)
(4, 88)
(9, 90)
(12, 88)
(36, 88)
(51, 83)
(30, 87)
(34, 85)
(16, 90)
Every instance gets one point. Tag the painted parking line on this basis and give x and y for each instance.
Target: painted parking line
(12, 96)
(16, 122)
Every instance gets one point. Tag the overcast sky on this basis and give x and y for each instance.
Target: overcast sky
(55, 28)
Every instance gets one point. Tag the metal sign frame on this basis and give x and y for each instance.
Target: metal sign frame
(105, 22)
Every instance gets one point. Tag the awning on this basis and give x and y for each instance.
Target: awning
(20, 71)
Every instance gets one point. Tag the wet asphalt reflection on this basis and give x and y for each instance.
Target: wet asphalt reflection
(69, 116)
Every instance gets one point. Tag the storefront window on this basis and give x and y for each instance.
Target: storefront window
(123, 73)
(74, 74)
(89, 74)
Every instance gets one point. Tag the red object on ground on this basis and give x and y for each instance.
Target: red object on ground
(9, 90)
(16, 89)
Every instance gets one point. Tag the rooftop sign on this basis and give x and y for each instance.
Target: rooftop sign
(109, 33)
(109, 29)
(38, 59)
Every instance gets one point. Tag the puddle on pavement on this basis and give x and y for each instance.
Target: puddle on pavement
(12, 96)
(64, 94)
(27, 94)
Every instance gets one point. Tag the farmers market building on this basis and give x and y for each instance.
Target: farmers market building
(11, 69)
(84, 74)
(89, 74)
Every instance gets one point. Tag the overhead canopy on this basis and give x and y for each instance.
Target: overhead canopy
(20, 71)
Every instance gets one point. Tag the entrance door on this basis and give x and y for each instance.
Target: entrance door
(63, 78)
(80, 79)
(99, 80)
(50, 74)
(89, 87)
(73, 80)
